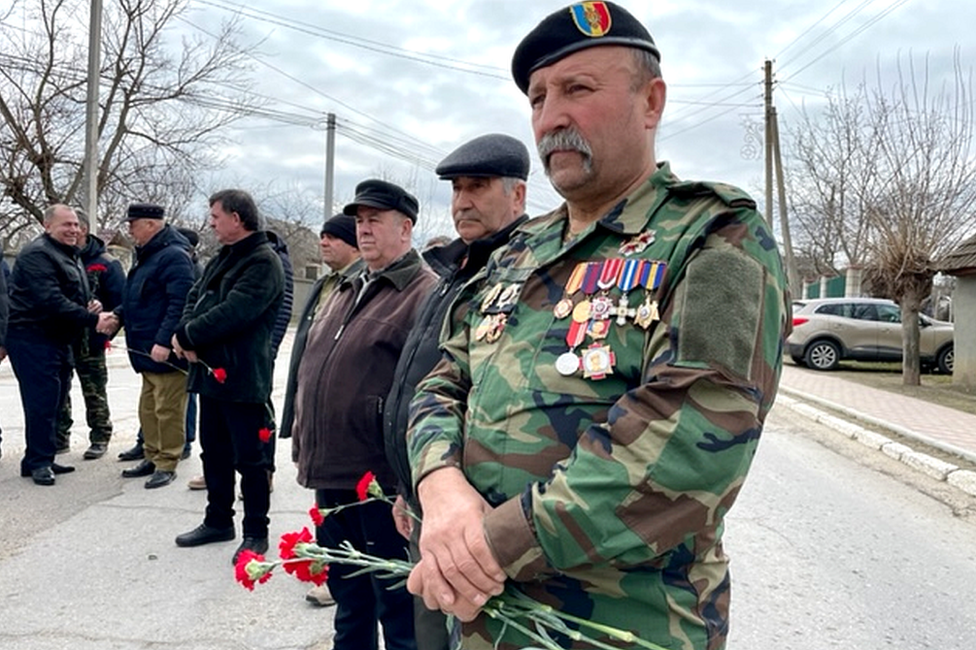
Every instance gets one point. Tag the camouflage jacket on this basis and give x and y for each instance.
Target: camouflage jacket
(611, 475)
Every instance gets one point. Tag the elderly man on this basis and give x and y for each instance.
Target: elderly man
(604, 389)
(226, 335)
(50, 306)
(106, 279)
(344, 376)
(4, 313)
(487, 177)
(153, 299)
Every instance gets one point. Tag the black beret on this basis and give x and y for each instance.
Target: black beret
(342, 226)
(144, 211)
(574, 28)
(384, 196)
(494, 154)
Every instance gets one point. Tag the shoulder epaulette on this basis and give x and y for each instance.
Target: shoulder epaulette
(729, 194)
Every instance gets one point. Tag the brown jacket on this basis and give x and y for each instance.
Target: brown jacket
(346, 372)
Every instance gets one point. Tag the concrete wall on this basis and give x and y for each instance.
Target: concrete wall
(964, 308)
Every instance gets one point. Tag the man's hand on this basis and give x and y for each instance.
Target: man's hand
(159, 354)
(94, 306)
(401, 517)
(458, 572)
(108, 323)
(177, 348)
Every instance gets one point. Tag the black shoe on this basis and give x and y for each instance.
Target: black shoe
(133, 453)
(204, 534)
(96, 450)
(258, 545)
(159, 479)
(186, 453)
(145, 468)
(42, 475)
(62, 469)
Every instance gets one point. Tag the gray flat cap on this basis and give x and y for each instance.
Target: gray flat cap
(494, 154)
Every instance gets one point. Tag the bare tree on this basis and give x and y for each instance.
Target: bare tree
(886, 179)
(161, 107)
(926, 196)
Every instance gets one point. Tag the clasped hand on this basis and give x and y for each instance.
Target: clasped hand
(457, 573)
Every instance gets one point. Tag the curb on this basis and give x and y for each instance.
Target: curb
(936, 468)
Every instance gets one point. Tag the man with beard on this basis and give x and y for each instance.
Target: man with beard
(604, 389)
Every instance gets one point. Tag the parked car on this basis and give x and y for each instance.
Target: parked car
(829, 330)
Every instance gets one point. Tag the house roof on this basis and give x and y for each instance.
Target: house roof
(961, 259)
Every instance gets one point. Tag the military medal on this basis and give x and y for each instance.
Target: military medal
(649, 277)
(496, 327)
(597, 361)
(482, 330)
(508, 297)
(598, 329)
(490, 297)
(637, 244)
(564, 307)
(568, 363)
(629, 275)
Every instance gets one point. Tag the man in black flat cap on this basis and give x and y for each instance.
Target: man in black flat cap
(343, 378)
(152, 303)
(600, 401)
(487, 176)
(50, 305)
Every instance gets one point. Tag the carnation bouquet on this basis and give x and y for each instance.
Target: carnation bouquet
(301, 557)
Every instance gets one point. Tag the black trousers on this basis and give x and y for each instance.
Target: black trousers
(43, 371)
(365, 600)
(230, 442)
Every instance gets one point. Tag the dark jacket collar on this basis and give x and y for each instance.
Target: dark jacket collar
(399, 274)
(67, 249)
(444, 259)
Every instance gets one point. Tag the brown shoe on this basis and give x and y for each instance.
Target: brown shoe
(320, 596)
(197, 483)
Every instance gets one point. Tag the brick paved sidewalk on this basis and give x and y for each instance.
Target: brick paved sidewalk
(943, 427)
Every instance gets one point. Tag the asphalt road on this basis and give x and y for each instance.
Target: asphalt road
(832, 545)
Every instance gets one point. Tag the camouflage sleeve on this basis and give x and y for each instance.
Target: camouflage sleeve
(667, 465)
(439, 406)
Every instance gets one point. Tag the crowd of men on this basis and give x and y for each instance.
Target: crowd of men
(571, 402)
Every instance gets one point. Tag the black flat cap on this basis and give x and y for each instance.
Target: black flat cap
(144, 211)
(384, 196)
(574, 28)
(490, 155)
(342, 226)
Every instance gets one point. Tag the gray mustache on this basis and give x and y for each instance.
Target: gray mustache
(562, 140)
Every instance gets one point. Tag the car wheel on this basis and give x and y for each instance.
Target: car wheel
(946, 360)
(822, 355)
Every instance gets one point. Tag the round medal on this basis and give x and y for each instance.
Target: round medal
(567, 364)
(563, 308)
(581, 312)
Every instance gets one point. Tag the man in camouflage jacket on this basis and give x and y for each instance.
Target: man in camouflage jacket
(607, 377)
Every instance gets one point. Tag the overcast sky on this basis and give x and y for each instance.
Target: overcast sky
(419, 78)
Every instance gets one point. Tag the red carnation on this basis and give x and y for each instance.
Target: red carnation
(316, 516)
(108, 345)
(308, 570)
(264, 434)
(97, 267)
(248, 578)
(219, 374)
(367, 486)
(286, 547)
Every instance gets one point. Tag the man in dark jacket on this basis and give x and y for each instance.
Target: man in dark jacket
(488, 177)
(152, 303)
(50, 304)
(337, 243)
(343, 378)
(106, 279)
(226, 335)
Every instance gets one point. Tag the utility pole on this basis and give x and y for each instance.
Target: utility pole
(768, 94)
(91, 114)
(330, 129)
(774, 160)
